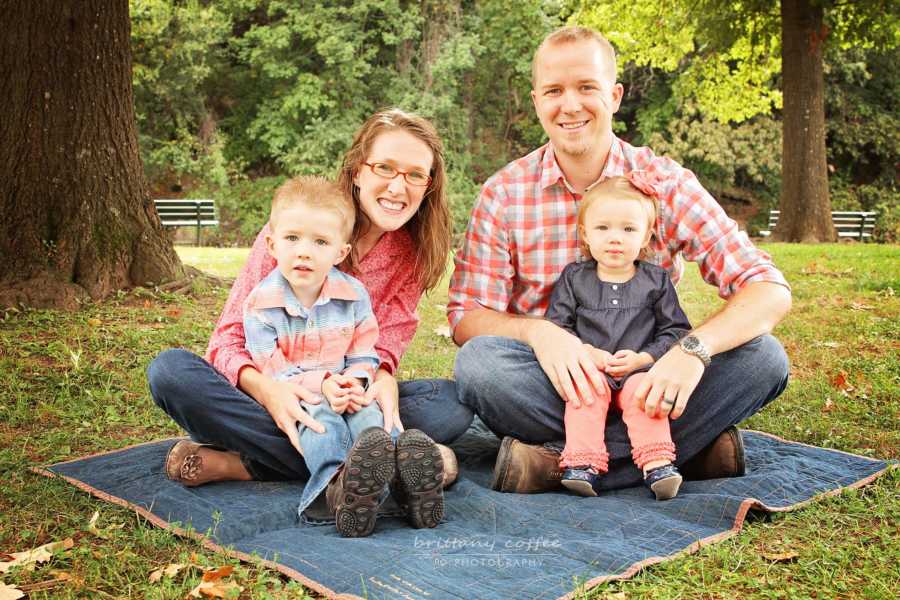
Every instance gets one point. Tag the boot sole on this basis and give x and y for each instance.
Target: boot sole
(421, 474)
(368, 469)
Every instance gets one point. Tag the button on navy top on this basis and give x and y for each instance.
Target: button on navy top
(641, 314)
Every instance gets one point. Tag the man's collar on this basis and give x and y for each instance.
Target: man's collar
(551, 173)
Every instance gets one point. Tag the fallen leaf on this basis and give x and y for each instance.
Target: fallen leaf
(10, 592)
(94, 322)
(36, 555)
(174, 312)
(831, 344)
(147, 304)
(860, 306)
(829, 405)
(839, 381)
(170, 570)
(217, 574)
(216, 589)
(780, 556)
(104, 532)
(443, 331)
(212, 585)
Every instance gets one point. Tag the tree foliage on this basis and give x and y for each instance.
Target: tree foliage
(239, 88)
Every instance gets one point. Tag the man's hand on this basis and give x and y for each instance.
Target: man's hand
(282, 401)
(669, 383)
(344, 393)
(385, 392)
(568, 363)
(624, 362)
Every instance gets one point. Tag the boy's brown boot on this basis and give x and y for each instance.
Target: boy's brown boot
(418, 487)
(526, 468)
(356, 490)
(724, 457)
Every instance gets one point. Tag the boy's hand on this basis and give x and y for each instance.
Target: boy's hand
(624, 362)
(344, 393)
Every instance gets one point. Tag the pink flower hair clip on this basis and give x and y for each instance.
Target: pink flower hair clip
(647, 183)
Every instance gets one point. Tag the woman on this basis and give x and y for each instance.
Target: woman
(245, 423)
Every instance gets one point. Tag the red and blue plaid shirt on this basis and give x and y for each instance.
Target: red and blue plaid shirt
(336, 334)
(523, 232)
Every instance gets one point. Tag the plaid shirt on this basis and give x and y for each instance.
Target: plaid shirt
(337, 333)
(523, 232)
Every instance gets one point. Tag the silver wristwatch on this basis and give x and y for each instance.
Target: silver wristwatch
(692, 345)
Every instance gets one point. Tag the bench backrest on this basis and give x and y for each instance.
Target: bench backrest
(183, 212)
(849, 224)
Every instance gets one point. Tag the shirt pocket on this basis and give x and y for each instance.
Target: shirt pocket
(336, 342)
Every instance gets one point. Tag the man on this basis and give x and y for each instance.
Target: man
(517, 372)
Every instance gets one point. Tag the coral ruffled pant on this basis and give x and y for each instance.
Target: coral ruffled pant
(585, 445)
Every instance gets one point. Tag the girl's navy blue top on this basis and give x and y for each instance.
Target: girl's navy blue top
(641, 314)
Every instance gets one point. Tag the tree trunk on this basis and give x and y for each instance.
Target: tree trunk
(805, 205)
(76, 218)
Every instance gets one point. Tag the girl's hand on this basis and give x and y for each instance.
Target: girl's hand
(624, 362)
(600, 357)
(384, 391)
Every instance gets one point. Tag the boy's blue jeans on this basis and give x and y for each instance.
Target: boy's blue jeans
(325, 452)
(213, 411)
(501, 380)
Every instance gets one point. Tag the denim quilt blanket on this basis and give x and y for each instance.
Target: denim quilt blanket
(491, 545)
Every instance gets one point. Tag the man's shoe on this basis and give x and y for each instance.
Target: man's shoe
(526, 468)
(724, 457)
(418, 487)
(358, 487)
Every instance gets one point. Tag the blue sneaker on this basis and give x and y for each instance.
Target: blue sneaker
(663, 481)
(584, 480)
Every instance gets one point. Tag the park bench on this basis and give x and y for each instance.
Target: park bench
(187, 213)
(849, 224)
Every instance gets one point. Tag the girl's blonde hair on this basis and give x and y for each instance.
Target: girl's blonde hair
(622, 189)
(430, 226)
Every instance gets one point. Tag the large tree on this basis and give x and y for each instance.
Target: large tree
(732, 54)
(76, 218)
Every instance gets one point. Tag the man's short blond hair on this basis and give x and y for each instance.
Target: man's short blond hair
(316, 192)
(571, 35)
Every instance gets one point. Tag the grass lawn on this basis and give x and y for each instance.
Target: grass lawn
(73, 384)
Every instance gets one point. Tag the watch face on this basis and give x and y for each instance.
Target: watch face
(690, 342)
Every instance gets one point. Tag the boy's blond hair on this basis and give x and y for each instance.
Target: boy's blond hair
(619, 188)
(316, 192)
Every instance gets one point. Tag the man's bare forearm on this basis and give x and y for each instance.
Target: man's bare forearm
(484, 321)
(753, 311)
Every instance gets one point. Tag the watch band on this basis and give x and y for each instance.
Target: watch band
(692, 345)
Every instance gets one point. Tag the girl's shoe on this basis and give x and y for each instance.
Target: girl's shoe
(663, 481)
(419, 486)
(584, 481)
(359, 486)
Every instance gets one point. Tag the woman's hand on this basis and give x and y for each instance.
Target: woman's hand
(281, 399)
(384, 391)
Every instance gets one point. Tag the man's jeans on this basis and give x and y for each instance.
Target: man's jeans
(500, 380)
(213, 411)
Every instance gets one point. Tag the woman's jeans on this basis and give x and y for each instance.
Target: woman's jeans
(213, 411)
(500, 379)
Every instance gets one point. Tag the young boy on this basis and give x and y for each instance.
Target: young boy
(310, 323)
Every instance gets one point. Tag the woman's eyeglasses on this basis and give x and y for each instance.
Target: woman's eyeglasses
(416, 178)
